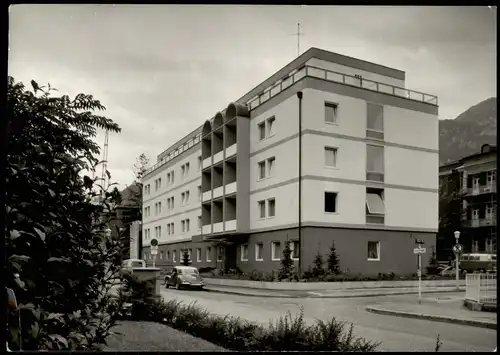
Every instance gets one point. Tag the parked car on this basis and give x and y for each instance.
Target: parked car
(184, 277)
(130, 264)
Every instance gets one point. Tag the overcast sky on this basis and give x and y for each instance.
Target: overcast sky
(161, 70)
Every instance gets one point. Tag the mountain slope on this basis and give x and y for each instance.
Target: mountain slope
(466, 134)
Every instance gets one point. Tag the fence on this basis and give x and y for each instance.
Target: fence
(481, 288)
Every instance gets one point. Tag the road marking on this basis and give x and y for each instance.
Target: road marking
(315, 294)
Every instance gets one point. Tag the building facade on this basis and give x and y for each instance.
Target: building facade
(473, 181)
(329, 148)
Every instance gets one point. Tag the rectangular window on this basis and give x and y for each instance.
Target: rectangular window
(262, 130)
(183, 226)
(183, 170)
(168, 254)
(199, 193)
(189, 253)
(374, 163)
(374, 251)
(244, 252)
(330, 157)
(183, 198)
(199, 163)
(187, 170)
(295, 248)
(220, 254)
(187, 197)
(174, 256)
(159, 207)
(374, 121)
(276, 251)
(270, 166)
(168, 229)
(330, 202)
(208, 253)
(172, 228)
(199, 222)
(271, 207)
(262, 209)
(159, 232)
(259, 248)
(262, 170)
(187, 225)
(159, 183)
(270, 127)
(172, 198)
(331, 112)
(198, 254)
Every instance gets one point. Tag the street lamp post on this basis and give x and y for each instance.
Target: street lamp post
(457, 257)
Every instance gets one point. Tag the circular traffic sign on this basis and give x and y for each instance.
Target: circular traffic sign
(457, 249)
(154, 242)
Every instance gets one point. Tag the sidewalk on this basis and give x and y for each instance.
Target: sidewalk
(445, 310)
(349, 293)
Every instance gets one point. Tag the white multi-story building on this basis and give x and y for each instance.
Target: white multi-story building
(361, 149)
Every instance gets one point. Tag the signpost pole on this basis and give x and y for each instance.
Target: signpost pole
(419, 278)
(154, 260)
(457, 260)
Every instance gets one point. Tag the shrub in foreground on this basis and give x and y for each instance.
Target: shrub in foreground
(285, 334)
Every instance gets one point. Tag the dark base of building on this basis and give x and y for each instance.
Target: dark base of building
(395, 250)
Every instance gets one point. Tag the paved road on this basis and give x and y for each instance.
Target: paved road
(396, 334)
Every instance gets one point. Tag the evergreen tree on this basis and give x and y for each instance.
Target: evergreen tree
(286, 270)
(318, 265)
(333, 260)
(185, 258)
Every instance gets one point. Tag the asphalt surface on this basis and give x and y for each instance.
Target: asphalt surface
(395, 333)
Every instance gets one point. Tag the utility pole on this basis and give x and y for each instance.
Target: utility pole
(298, 34)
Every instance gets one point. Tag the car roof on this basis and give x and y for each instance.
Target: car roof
(133, 260)
(185, 268)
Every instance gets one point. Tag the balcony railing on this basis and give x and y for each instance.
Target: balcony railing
(337, 77)
(482, 189)
(481, 222)
(179, 150)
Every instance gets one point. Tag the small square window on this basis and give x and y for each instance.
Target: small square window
(276, 251)
(259, 248)
(244, 252)
(270, 166)
(198, 254)
(262, 170)
(208, 254)
(331, 112)
(330, 157)
(271, 207)
(270, 127)
(262, 209)
(262, 130)
(374, 251)
(330, 202)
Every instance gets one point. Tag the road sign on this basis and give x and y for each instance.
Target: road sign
(457, 248)
(154, 242)
(419, 251)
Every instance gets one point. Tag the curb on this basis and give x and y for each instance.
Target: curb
(312, 295)
(443, 319)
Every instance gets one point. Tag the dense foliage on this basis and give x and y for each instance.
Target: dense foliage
(60, 260)
(287, 267)
(186, 260)
(333, 260)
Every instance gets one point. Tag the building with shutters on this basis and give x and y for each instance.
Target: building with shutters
(473, 180)
(361, 148)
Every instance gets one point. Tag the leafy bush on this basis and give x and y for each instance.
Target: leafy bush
(57, 240)
(285, 273)
(317, 269)
(186, 260)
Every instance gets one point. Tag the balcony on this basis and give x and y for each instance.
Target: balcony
(207, 229)
(329, 75)
(206, 162)
(481, 189)
(218, 157)
(230, 225)
(218, 191)
(488, 221)
(218, 227)
(207, 196)
(230, 151)
(231, 188)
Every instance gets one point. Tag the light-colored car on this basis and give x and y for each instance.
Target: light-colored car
(184, 277)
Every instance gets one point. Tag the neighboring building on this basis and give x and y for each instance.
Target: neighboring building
(475, 185)
(229, 191)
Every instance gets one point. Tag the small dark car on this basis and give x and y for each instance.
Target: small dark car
(184, 277)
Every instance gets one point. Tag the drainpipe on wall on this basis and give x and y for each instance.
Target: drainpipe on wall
(299, 95)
